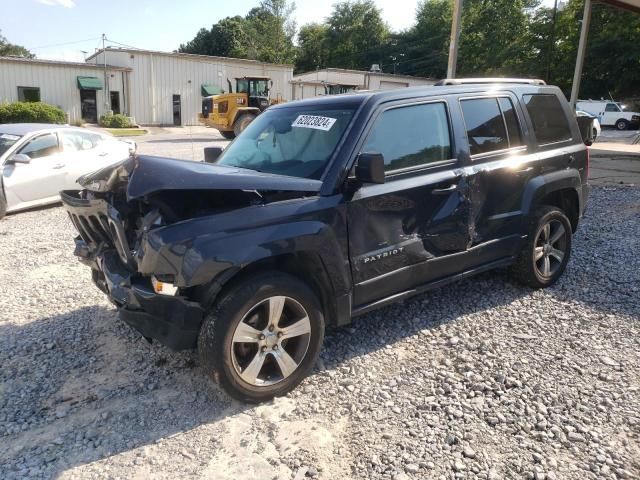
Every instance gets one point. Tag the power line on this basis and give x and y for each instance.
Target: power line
(63, 44)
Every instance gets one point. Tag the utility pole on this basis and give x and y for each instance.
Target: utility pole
(582, 48)
(455, 37)
(106, 80)
(552, 40)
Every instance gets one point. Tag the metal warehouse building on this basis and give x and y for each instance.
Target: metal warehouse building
(74, 87)
(155, 88)
(339, 80)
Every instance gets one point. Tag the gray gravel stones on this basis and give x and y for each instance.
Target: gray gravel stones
(480, 379)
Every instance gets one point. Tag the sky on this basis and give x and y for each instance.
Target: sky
(63, 29)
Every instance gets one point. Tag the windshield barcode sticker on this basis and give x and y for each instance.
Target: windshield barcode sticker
(315, 122)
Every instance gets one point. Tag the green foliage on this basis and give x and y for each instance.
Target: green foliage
(313, 49)
(7, 49)
(499, 37)
(356, 33)
(265, 33)
(115, 121)
(31, 112)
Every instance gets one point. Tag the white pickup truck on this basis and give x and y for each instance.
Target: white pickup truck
(609, 113)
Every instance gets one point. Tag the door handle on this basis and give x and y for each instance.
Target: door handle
(103, 154)
(572, 158)
(524, 170)
(444, 191)
(58, 166)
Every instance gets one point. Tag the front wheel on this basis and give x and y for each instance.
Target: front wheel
(544, 258)
(242, 122)
(262, 337)
(3, 204)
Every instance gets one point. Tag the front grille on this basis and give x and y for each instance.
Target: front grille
(98, 223)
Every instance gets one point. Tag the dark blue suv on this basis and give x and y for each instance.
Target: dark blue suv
(327, 208)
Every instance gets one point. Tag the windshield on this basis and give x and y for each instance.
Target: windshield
(292, 141)
(6, 140)
(254, 88)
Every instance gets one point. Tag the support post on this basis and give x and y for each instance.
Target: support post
(582, 48)
(455, 38)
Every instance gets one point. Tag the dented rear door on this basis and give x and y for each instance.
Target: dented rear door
(413, 228)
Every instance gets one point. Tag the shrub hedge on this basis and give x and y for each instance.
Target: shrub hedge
(115, 121)
(31, 112)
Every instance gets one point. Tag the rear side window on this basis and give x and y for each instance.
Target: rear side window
(549, 120)
(486, 129)
(411, 136)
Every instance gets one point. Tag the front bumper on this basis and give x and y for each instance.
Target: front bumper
(172, 320)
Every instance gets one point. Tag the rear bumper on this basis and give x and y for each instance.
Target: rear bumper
(174, 321)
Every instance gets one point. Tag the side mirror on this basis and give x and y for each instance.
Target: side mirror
(211, 154)
(19, 158)
(370, 168)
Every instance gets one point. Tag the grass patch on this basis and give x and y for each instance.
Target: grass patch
(126, 132)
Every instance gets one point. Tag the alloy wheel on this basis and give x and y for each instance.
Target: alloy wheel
(550, 248)
(270, 341)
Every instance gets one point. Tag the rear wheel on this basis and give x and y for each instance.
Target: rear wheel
(229, 135)
(262, 337)
(622, 124)
(242, 122)
(544, 258)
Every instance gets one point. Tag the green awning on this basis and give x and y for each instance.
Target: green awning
(208, 90)
(89, 83)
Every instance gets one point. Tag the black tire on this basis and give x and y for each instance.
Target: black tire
(595, 133)
(221, 356)
(531, 271)
(622, 124)
(3, 204)
(242, 122)
(229, 135)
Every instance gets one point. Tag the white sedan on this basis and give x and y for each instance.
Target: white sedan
(39, 160)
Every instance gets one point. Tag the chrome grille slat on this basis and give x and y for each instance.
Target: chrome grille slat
(99, 225)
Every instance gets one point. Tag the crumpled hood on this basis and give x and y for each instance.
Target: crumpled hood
(146, 175)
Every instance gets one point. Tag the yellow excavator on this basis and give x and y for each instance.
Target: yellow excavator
(230, 113)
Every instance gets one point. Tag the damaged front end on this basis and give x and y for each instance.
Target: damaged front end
(132, 219)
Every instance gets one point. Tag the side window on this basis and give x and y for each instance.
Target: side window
(549, 120)
(611, 107)
(411, 136)
(78, 141)
(41, 146)
(511, 121)
(485, 127)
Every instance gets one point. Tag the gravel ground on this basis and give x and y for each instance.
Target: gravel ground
(481, 379)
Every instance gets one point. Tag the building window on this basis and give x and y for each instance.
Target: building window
(28, 94)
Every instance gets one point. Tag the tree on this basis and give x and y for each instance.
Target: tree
(312, 47)
(426, 45)
(495, 37)
(271, 29)
(356, 35)
(7, 49)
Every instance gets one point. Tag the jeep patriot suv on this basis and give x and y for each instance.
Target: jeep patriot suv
(327, 208)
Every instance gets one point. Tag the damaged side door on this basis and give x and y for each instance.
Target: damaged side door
(413, 228)
(499, 168)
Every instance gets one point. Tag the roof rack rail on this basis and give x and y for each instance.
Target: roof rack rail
(471, 81)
